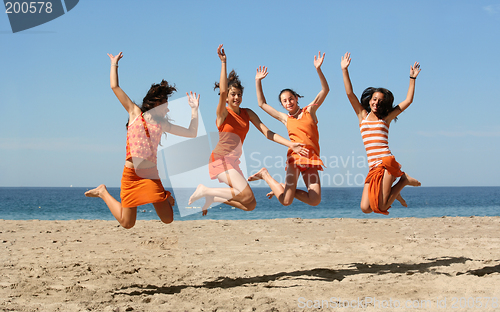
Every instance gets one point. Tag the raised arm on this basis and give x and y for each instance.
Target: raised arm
(126, 102)
(318, 61)
(414, 71)
(261, 100)
(192, 131)
(270, 135)
(221, 107)
(356, 105)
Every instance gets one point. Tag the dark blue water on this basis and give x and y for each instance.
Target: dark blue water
(61, 203)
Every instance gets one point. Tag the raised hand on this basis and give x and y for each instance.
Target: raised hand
(261, 73)
(221, 53)
(193, 101)
(345, 61)
(116, 58)
(415, 70)
(319, 60)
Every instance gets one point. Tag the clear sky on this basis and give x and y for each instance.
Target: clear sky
(61, 124)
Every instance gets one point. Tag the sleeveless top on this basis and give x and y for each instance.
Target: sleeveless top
(232, 133)
(375, 136)
(143, 139)
(304, 130)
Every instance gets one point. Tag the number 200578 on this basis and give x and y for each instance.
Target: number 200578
(28, 7)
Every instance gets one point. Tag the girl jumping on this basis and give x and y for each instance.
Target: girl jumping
(233, 123)
(375, 113)
(140, 182)
(301, 124)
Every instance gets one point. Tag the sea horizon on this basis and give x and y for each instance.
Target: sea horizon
(70, 203)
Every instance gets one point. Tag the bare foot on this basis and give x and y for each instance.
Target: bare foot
(412, 181)
(197, 194)
(96, 192)
(401, 200)
(171, 200)
(258, 175)
(208, 201)
(271, 194)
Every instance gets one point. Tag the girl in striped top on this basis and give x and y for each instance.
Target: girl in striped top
(375, 113)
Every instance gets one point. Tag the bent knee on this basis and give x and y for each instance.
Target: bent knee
(167, 220)
(315, 202)
(366, 209)
(246, 196)
(128, 225)
(287, 201)
(250, 204)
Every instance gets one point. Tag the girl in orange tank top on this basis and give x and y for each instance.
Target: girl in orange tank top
(140, 182)
(375, 113)
(233, 124)
(301, 124)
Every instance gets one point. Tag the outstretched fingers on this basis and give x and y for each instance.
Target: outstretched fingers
(345, 60)
(115, 58)
(319, 59)
(193, 100)
(261, 73)
(415, 70)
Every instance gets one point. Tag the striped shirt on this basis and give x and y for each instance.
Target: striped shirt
(375, 136)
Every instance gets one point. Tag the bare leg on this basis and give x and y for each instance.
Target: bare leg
(365, 200)
(313, 195)
(164, 211)
(401, 200)
(125, 216)
(285, 194)
(238, 195)
(389, 194)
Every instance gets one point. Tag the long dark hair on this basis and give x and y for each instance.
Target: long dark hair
(386, 105)
(233, 81)
(158, 92)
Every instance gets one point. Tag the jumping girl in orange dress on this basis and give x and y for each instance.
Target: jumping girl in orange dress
(375, 113)
(301, 124)
(233, 124)
(141, 182)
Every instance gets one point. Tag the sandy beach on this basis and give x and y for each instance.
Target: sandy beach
(435, 264)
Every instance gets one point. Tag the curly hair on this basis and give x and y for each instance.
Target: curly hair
(291, 91)
(157, 92)
(233, 81)
(386, 105)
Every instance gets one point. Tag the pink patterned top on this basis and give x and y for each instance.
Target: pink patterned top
(143, 139)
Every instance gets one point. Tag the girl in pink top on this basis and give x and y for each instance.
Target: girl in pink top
(140, 183)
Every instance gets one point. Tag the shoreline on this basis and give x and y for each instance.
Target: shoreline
(261, 265)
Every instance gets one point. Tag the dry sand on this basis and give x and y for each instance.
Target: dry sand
(263, 265)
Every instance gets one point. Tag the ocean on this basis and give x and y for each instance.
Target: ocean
(69, 203)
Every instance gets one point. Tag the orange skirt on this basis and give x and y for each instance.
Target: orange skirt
(220, 165)
(375, 176)
(141, 187)
(304, 162)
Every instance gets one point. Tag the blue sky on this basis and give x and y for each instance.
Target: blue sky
(62, 125)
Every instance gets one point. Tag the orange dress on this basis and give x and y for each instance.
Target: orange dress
(142, 186)
(304, 130)
(227, 152)
(375, 136)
